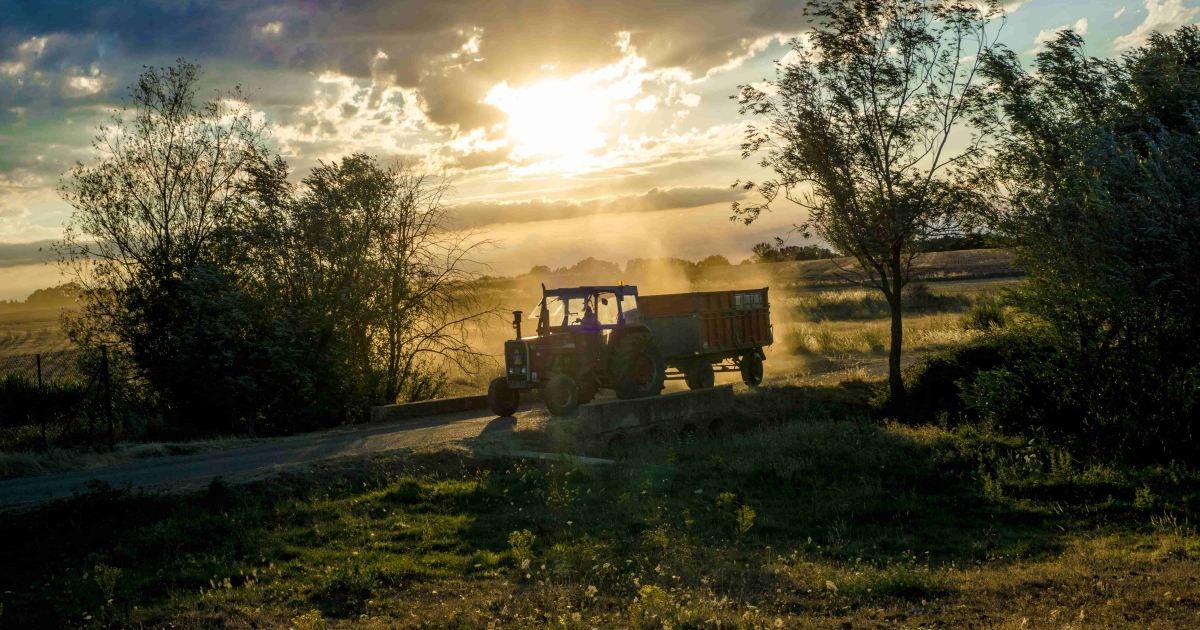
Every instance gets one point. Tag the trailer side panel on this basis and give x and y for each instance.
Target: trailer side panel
(710, 322)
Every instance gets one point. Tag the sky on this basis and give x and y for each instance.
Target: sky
(571, 128)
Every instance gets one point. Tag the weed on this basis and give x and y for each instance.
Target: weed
(522, 544)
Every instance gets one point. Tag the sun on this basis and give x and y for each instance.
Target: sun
(554, 118)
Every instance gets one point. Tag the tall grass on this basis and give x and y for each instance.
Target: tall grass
(864, 304)
(838, 338)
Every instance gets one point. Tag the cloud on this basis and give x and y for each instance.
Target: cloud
(1047, 34)
(480, 213)
(1119, 13)
(15, 254)
(1162, 16)
(452, 51)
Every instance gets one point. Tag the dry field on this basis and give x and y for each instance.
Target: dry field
(31, 331)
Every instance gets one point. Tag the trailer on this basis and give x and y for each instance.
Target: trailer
(713, 331)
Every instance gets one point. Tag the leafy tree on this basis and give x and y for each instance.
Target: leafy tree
(244, 301)
(858, 132)
(767, 253)
(1095, 184)
(152, 217)
(715, 260)
(378, 290)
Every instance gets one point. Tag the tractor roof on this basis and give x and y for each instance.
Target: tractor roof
(624, 289)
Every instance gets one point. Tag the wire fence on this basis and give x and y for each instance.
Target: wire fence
(56, 398)
(64, 365)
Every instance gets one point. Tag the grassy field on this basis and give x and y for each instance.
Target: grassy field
(29, 331)
(811, 516)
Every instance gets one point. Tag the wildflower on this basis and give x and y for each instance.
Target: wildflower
(591, 591)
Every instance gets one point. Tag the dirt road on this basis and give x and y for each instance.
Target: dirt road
(184, 472)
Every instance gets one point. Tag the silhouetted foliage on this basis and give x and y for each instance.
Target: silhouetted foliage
(859, 121)
(1096, 187)
(779, 252)
(243, 301)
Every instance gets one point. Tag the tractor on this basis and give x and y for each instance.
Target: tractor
(588, 338)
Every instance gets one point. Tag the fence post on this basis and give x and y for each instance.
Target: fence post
(107, 395)
(41, 399)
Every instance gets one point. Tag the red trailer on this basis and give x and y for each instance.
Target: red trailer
(703, 332)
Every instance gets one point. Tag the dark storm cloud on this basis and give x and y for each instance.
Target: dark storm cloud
(480, 213)
(418, 38)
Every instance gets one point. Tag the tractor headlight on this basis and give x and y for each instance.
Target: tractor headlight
(510, 371)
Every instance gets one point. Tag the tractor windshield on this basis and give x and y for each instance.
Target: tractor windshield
(606, 308)
(595, 308)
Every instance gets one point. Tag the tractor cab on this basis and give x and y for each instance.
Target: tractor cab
(583, 342)
(585, 309)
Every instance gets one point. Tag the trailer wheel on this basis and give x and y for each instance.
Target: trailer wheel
(502, 400)
(700, 375)
(752, 369)
(561, 395)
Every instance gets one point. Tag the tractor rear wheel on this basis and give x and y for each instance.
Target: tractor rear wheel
(637, 367)
(561, 395)
(587, 386)
(501, 399)
(700, 375)
(752, 369)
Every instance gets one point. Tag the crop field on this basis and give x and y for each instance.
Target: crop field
(31, 331)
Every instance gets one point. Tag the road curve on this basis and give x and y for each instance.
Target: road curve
(261, 459)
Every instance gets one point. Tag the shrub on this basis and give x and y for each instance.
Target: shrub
(1003, 376)
(986, 314)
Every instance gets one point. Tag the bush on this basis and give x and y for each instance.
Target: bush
(1003, 378)
(986, 314)
(21, 403)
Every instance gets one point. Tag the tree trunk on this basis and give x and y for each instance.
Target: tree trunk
(899, 397)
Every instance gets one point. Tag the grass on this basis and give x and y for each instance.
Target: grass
(812, 517)
(922, 333)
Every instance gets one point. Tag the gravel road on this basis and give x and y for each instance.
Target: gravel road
(183, 472)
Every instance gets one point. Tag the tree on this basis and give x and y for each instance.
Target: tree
(779, 252)
(377, 288)
(1095, 184)
(246, 302)
(715, 260)
(152, 217)
(866, 129)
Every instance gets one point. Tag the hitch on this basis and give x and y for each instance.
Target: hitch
(517, 323)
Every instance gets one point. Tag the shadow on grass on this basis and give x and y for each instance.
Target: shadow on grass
(807, 492)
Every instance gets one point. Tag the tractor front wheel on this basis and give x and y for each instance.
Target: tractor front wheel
(561, 395)
(502, 399)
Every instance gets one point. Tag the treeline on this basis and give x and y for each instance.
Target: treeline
(235, 300)
(61, 296)
(1094, 183)
(761, 253)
